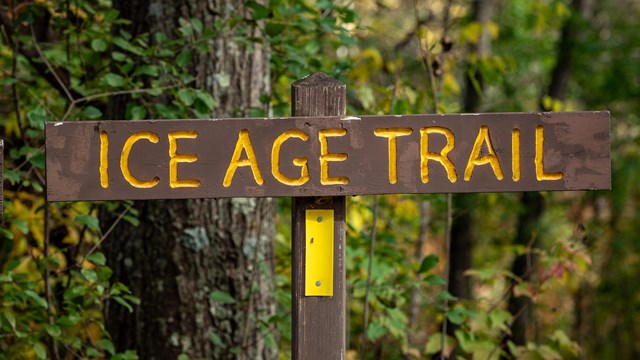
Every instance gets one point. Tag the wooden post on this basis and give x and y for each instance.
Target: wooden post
(319, 322)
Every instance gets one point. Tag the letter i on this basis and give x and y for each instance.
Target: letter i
(104, 159)
(515, 154)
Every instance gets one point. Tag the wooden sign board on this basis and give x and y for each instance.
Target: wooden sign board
(327, 156)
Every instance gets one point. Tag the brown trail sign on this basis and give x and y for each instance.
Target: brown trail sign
(162, 159)
(317, 160)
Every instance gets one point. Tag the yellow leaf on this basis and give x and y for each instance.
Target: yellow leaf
(493, 28)
(471, 32)
(374, 57)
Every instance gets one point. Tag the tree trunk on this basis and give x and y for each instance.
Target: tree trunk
(463, 232)
(183, 250)
(463, 229)
(521, 307)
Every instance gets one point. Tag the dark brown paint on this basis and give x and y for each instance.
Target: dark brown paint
(576, 144)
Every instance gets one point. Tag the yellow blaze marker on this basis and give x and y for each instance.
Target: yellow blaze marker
(392, 134)
(301, 162)
(175, 158)
(124, 159)
(540, 174)
(243, 143)
(318, 269)
(442, 157)
(475, 158)
(325, 157)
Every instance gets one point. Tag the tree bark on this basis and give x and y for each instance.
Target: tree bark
(184, 250)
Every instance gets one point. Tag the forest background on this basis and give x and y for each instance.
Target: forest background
(482, 276)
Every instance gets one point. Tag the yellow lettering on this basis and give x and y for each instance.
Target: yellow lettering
(175, 158)
(244, 142)
(124, 159)
(325, 157)
(540, 174)
(104, 159)
(392, 134)
(301, 162)
(476, 159)
(441, 157)
(515, 154)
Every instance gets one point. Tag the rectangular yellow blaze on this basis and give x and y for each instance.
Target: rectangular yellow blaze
(319, 240)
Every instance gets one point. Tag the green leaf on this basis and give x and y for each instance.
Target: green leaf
(428, 263)
(11, 318)
(127, 355)
(118, 56)
(274, 29)
(206, 99)
(69, 320)
(89, 274)
(456, 316)
(107, 345)
(53, 330)
(97, 258)
(222, 297)
(114, 80)
(98, 45)
(91, 351)
(39, 300)
(40, 350)
(259, 11)
(37, 117)
(160, 37)
(137, 112)
(132, 299)
(434, 344)
(196, 24)
(186, 96)
(38, 160)
(375, 331)
(445, 295)
(184, 58)
(22, 226)
(89, 220)
(150, 70)
(7, 80)
(216, 340)
(123, 302)
(91, 112)
(435, 280)
(132, 220)
(74, 292)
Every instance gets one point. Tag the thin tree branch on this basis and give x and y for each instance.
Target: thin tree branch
(426, 60)
(51, 69)
(447, 246)
(53, 348)
(14, 75)
(372, 241)
(105, 235)
(108, 94)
